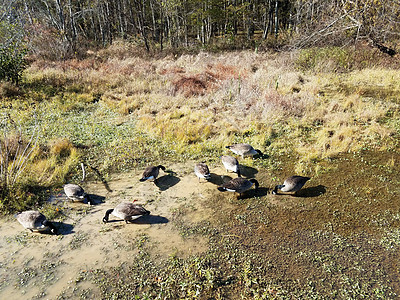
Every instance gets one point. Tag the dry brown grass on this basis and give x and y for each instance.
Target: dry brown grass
(193, 85)
(222, 97)
(61, 148)
(51, 164)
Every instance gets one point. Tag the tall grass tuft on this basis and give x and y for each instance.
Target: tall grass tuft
(28, 169)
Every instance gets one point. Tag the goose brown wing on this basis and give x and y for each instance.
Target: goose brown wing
(150, 171)
(131, 209)
(73, 190)
(202, 168)
(295, 183)
(31, 219)
(235, 184)
(243, 147)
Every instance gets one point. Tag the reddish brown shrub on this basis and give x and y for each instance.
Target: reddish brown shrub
(190, 86)
(196, 85)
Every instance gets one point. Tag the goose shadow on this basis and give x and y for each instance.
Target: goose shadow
(261, 156)
(313, 191)
(96, 199)
(252, 193)
(143, 220)
(150, 219)
(63, 228)
(101, 177)
(166, 181)
(219, 179)
(247, 172)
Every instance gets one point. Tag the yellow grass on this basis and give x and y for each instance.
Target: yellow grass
(250, 97)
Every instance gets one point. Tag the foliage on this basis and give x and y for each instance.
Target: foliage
(331, 59)
(12, 52)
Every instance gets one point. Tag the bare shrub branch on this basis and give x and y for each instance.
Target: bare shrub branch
(14, 155)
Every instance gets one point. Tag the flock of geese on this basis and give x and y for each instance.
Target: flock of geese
(128, 211)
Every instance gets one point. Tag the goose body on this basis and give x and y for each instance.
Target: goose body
(127, 211)
(231, 164)
(151, 173)
(35, 221)
(201, 170)
(76, 193)
(238, 185)
(243, 150)
(291, 184)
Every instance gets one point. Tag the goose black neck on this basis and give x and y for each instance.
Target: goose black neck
(89, 199)
(53, 229)
(108, 212)
(256, 184)
(275, 191)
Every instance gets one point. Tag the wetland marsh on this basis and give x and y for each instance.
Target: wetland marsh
(339, 238)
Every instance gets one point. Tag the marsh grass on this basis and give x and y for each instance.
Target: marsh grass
(117, 112)
(28, 169)
(120, 110)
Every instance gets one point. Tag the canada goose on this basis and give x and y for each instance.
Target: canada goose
(127, 211)
(76, 193)
(231, 164)
(201, 170)
(238, 185)
(243, 150)
(291, 184)
(151, 173)
(35, 221)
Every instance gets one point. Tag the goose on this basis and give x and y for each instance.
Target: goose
(291, 184)
(201, 170)
(231, 164)
(151, 173)
(35, 221)
(238, 185)
(243, 150)
(76, 193)
(127, 211)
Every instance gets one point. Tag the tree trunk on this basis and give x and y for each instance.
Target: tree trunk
(276, 18)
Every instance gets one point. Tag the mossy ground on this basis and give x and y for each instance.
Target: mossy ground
(337, 239)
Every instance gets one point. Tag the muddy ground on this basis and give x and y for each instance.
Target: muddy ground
(33, 263)
(339, 238)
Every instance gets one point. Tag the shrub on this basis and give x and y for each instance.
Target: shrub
(190, 86)
(12, 53)
(330, 59)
